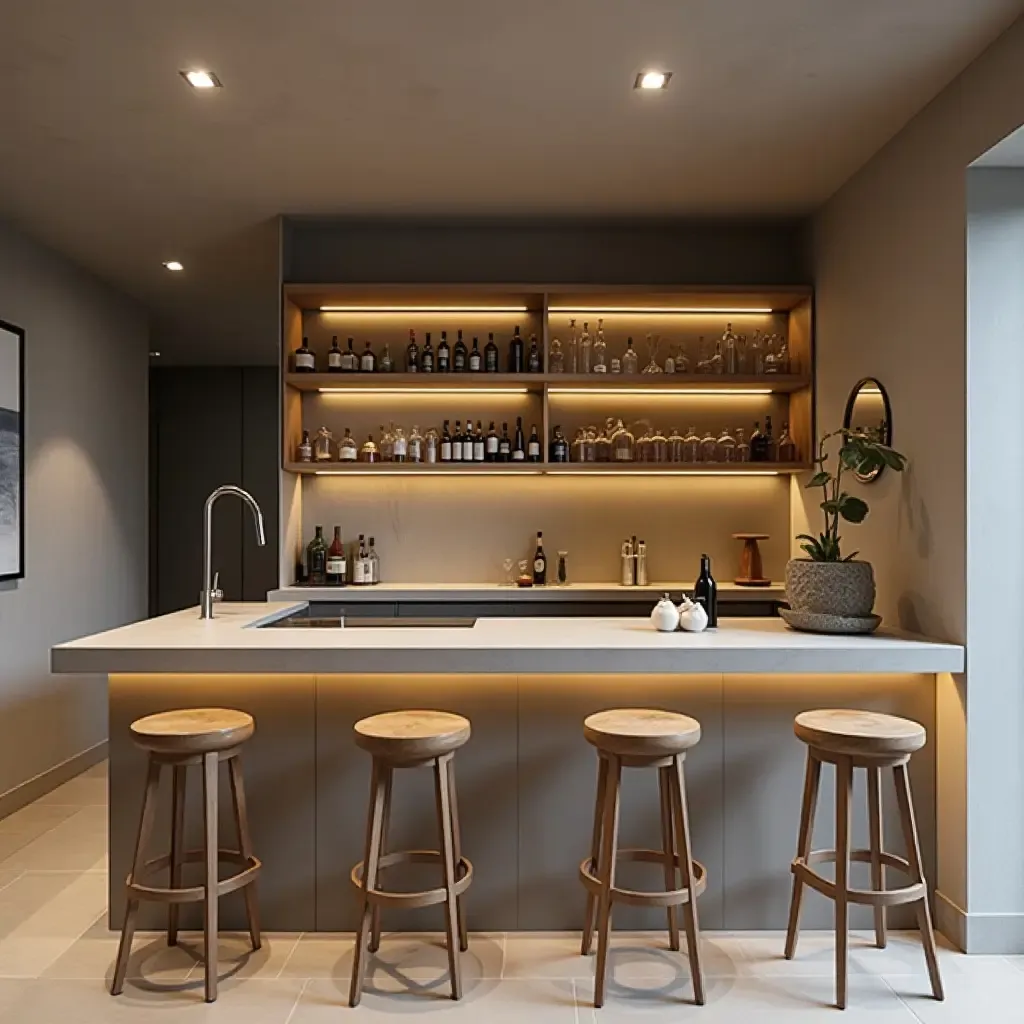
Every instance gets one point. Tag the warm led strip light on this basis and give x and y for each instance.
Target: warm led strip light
(479, 472)
(665, 310)
(424, 391)
(427, 472)
(423, 309)
(659, 391)
(662, 472)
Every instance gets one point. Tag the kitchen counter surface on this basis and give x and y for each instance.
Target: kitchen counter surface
(231, 642)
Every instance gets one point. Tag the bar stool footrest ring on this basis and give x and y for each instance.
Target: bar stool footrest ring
(251, 867)
(664, 898)
(865, 897)
(413, 900)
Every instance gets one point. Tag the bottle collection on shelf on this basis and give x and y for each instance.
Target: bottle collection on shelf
(336, 565)
(457, 358)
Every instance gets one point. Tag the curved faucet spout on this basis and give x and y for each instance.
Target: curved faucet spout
(207, 593)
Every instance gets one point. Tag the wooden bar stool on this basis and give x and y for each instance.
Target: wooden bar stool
(198, 736)
(860, 739)
(637, 738)
(411, 739)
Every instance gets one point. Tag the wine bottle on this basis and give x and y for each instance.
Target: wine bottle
(304, 361)
(705, 591)
(427, 356)
(349, 360)
(359, 564)
(559, 450)
(479, 445)
(412, 354)
(460, 357)
(515, 353)
(769, 441)
(457, 442)
(467, 441)
(475, 359)
(533, 360)
(504, 445)
(519, 445)
(540, 562)
(758, 451)
(533, 449)
(372, 564)
(334, 356)
(368, 362)
(316, 559)
(490, 355)
(446, 444)
(491, 445)
(337, 567)
(444, 355)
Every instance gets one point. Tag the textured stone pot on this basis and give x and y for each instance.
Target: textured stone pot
(830, 588)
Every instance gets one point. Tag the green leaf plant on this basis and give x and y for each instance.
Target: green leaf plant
(859, 453)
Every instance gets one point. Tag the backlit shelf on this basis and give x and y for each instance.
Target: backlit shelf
(675, 469)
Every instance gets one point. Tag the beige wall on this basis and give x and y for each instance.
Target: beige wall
(86, 453)
(890, 272)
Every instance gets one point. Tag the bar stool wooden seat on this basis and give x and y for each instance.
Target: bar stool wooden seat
(411, 739)
(872, 741)
(640, 738)
(195, 736)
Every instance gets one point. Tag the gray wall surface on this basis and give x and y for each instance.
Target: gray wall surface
(86, 454)
(890, 273)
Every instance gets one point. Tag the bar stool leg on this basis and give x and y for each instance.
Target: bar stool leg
(457, 835)
(812, 778)
(689, 880)
(877, 868)
(606, 872)
(924, 917)
(668, 845)
(211, 847)
(149, 800)
(371, 861)
(442, 791)
(252, 911)
(844, 785)
(177, 846)
(388, 774)
(590, 916)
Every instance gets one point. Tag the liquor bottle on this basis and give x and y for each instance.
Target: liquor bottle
(412, 354)
(600, 363)
(457, 442)
(533, 359)
(742, 445)
(479, 444)
(491, 445)
(468, 441)
(349, 360)
(705, 591)
(444, 355)
(368, 362)
(400, 446)
(515, 353)
(359, 564)
(337, 564)
(757, 445)
(446, 444)
(490, 355)
(461, 357)
(334, 356)
(769, 441)
(519, 445)
(572, 354)
(305, 450)
(504, 445)
(386, 364)
(427, 356)
(559, 449)
(540, 563)
(533, 449)
(786, 451)
(584, 364)
(373, 564)
(475, 358)
(316, 559)
(415, 445)
(629, 359)
(348, 450)
(304, 360)
(729, 350)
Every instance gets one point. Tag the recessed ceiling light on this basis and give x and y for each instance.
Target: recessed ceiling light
(173, 265)
(652, 80)
(201, 79)
(154, 355)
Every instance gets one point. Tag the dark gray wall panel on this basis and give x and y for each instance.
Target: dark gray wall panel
(260, 440)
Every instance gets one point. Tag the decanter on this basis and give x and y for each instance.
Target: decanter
(387, 445)
(682, 360)
(603, 445)
(322, 445)
(642, 449)
(726, 451)
(716, 364)
(629, 357)
(584, 360)
(691, 446)
(652, 349)
(556, 358)
(600, 360)
(659, 446)
(369, 452)
(742, 445)
(622, 446)
(708, 447)
(348, 450)
(573, 351)
(675, 446)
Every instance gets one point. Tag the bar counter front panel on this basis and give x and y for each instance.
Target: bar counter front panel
(526, 784)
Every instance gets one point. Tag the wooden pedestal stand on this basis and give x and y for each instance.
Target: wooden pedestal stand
(751, 572)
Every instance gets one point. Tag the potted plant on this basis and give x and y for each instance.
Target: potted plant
(827, 582)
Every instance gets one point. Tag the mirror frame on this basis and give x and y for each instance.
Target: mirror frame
(851, 401)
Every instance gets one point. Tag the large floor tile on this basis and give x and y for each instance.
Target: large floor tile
(487, 1001)
(320, 955)
(983, 989)
(236, 957)
(79, 792)
(545, 955)
(75, 844)
(36, 818)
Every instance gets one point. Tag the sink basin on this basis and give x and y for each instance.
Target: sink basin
(303, 621)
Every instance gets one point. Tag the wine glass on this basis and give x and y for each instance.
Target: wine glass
(507, 565)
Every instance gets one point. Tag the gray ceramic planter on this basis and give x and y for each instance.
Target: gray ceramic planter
(830, 588)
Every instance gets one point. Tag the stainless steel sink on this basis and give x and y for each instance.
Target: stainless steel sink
(301, 620)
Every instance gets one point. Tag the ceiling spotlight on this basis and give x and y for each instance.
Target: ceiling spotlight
(201, 79)
(173, 265)
(154, 355)
(652, 80)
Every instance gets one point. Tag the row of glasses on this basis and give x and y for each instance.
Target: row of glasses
(561, 578)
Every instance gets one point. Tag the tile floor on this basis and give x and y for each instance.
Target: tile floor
(56, 956)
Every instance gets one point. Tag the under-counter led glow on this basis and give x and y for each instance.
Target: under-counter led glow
(665, 310)
(424, 309)
(419, 392)
(674, 392)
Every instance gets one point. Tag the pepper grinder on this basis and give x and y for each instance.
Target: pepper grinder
(628, 556)
(641, 564)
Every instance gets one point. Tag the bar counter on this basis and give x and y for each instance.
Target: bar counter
(526, 778)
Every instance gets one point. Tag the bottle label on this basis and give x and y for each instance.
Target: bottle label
(457, 451)
(460, 361)
(304, 361)
(335, 565)
(474, 362)
(358, 571)
(492, 445)
(400, 447)
(518, 455)
(415, 450)
(535, 448)
(367, 363)
(539, 565)
(478, 451)
(334, 360)
(492, 363)
(446, 451)
(505, 448)
(347, 454)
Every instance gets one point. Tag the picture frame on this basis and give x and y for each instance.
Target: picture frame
(12, 452)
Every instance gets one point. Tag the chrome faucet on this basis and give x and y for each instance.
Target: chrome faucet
(209, 593)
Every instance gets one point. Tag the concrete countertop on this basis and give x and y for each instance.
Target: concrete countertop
(231, 642)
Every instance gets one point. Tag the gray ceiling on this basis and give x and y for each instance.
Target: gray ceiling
(394, 107)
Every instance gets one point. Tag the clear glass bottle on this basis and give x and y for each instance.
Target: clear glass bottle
(600, 355)
(642, 447)
(368, 361)
(785, 450)
(675, 446)
(629, 358)
(682, 360)
(729, 352)
(368, 452)
(400, 446)
(783, 359)
(323, 446)
(386, 448)
(623, 448)
(653, 345)
(304, 452)
(659, 446)
(572, 354)
(386, 363)
(742, 449)
(348, 450)
(585, 348)
(717, 361)
(415, 445)
(556, 358)
(691, 446)
(708, 447)
(578, 443)
(757, 354)
(771, 359)
(431, 445)
(742, 355)
(590, 445)
(603, 444)
(726, 450)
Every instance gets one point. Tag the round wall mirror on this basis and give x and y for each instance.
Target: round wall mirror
(868, 412)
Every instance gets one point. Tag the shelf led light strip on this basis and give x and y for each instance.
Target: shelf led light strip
(477, 472)
(659, 391)
(668, 310)
(428, 472)
(662, 472)
(424, 309)
(419, 392)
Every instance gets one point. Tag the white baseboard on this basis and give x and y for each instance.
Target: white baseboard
(24, 794)
(979, 933)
